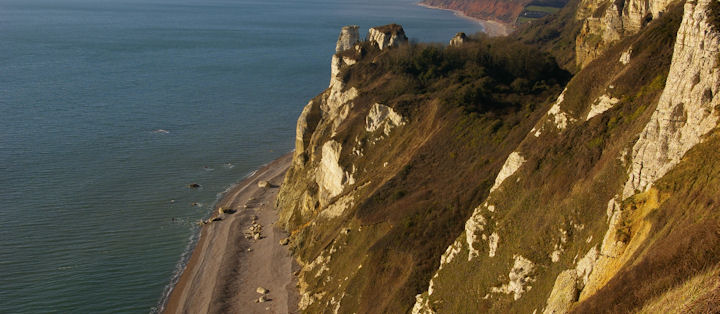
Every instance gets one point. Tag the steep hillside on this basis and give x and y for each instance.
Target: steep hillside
(391, 158)
(478, 178)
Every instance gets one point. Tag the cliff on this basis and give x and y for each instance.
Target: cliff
(504, 11)
(479, 177)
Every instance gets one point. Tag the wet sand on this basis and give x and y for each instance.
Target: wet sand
(492, 28)
(222, 275)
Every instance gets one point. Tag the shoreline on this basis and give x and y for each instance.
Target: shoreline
(225, 268)
(492, 28)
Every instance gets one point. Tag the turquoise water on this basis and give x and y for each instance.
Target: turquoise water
(95, 215)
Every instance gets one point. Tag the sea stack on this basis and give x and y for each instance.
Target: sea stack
(349, 36)
(387, 36)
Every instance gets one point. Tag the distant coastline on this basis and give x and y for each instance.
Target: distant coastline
(492, 28)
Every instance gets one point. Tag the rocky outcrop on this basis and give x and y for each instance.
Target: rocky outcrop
(564, 293)
(600, 105)
(520, 278)
(606, 22)
(458, 40)
(349, 36)
(512, 164)
(688, 106)
(331, 177)
(386, 36)
(382, 117)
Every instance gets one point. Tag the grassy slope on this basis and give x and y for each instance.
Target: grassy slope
(466, 108)
(464, 118)
(567, 180)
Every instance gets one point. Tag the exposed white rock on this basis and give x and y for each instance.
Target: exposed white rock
(555, 255)
(560, 118)
(512, 164)
(472, 226)
(570, 282)
(459, 39)
(450, 253)
(520, 277)
(687, 107)
(382, 117)
(612, 207)
(618, 20)
(331, 178)
(493, 243)
(625, 56)
(559, 247)
(387, 36)
(349, 36)
(536, 132)
(349, 61)
(422, 305)
(600, 105)
(338, 103)
(585, 267)
(563, 294)
(337, 208)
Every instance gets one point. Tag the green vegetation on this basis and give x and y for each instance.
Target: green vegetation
(554, 34)
(484, 75)
(466, 109)
(545, 9)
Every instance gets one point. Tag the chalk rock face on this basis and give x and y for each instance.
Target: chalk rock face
(512, 164)
(331, 178)
(625, 57)
(336, 64)
(382, 117)
(475, 224)
(600, 105)
(618, 20)
(386, 36)
(520, 277)
(458, 40)
(563, 294)
(349, 36)
(688, 106)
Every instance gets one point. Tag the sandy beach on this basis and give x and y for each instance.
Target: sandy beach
(226, 268)
(492, 28)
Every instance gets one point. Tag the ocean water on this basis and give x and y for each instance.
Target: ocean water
(110, 108)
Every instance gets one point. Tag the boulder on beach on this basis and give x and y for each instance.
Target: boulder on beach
(285, 241)
(226, 210)
(263, 184)
(262, 290)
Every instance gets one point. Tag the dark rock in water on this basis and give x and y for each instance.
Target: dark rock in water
(194, 185)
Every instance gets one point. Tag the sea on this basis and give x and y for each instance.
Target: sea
(109, 109)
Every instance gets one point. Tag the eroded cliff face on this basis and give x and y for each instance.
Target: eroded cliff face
(413, 190)
(493, 10)
(607, 21)
(593, 234)
(382, 175)
(688, 107)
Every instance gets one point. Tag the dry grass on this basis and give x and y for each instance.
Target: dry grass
(699, 294)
